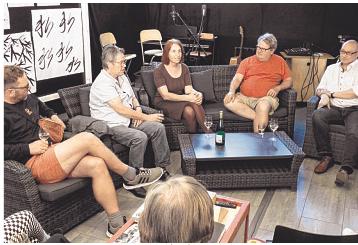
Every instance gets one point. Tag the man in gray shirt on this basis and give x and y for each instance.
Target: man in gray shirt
(113, 101)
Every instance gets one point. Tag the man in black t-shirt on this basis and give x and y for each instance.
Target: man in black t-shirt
(83, 155)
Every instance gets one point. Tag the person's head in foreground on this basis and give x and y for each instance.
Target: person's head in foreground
(179, 210)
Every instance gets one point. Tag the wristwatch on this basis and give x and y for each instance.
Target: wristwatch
(332, 94)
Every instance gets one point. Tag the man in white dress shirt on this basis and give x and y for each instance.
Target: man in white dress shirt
(338, 91)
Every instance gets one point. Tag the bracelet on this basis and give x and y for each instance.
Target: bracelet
(231, 93)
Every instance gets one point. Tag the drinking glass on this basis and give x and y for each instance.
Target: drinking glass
(208, 122)
(261, 131)
(273, 124)
(43, 135)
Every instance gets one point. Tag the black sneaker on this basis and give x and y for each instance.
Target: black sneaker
(166, 175)
(139, 192)
(110, 232)
(144, 177)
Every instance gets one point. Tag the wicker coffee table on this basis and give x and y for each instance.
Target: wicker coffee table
(246, 160)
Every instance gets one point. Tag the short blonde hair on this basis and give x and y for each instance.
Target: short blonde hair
(179, 210)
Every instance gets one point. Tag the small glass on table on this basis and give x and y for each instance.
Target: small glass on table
(208, 122)
(273, 124)
(261, 131)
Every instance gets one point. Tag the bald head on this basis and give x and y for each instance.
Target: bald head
(348, 53)
(351, 43)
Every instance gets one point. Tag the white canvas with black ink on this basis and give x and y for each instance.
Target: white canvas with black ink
(18, 50)
(58, 42)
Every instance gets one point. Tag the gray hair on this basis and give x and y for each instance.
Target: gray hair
(109, 53)
(179, 210)
(269, 39)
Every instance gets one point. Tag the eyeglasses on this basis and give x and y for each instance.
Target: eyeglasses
(262, 49)
(27, 87)
(122, 62)
(347, 53)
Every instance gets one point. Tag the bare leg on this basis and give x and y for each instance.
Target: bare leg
(102, 184)
(241, 110)
(262, 110)
(71, 151)
(189, 119)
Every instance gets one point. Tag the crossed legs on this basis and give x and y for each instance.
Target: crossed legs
(259, 115)
(84, 155)
(192, 115)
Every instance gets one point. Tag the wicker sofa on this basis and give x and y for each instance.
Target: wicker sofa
(61, 205)
(221, 77)
(336, 133)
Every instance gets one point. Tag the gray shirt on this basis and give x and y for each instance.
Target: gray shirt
(106, 88)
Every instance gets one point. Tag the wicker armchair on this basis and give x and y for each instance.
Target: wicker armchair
(336, 134)
(222, 76)
(21, 192)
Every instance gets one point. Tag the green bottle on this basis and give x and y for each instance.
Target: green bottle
(220, 131)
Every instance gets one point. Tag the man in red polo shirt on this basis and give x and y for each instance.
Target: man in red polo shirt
(260, 78)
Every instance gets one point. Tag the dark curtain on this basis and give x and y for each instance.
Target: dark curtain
(294, 25)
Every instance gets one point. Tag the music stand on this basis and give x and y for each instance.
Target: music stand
(194, 37)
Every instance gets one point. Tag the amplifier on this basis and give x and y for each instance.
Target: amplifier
(298, 51)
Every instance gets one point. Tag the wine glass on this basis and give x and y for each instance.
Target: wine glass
(261, 131)
(208, 122)
(273, 124)
(43, 135)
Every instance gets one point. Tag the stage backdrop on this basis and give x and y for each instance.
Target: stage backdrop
(293, 24)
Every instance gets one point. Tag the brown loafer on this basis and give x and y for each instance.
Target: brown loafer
(325, 164)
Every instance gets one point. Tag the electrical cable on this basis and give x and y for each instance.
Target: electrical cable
(304, 81)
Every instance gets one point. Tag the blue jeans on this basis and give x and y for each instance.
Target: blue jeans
(321, 120)
(137, 138)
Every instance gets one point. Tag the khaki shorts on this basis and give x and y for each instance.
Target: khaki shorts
(252, 101)
(45, 168)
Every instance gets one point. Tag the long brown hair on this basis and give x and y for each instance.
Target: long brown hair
(168, 46)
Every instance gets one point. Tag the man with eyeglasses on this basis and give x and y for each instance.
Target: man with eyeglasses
(260, 78)
(112, 100)
(338, 92)
(82, 155)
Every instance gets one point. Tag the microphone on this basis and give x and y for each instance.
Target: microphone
(203, 10)
(173, 13)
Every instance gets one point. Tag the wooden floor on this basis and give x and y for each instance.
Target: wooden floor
(318, 206)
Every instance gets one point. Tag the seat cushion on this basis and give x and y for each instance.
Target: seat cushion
(149, 85)
(84, 100)
(52, 192)
(203, 82)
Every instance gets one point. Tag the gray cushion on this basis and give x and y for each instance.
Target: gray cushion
(52, 192)
(84, 100)
(203, 82)
(149, 85)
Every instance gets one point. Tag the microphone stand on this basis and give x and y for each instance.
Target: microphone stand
(193, 36)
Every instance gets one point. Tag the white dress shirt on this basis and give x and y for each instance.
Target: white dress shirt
(336, 80)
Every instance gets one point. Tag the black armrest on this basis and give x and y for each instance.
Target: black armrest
(312, 104)
(148, 110)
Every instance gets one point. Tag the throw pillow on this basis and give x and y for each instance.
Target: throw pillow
(203, 82)
(149, 85)
(84, 100)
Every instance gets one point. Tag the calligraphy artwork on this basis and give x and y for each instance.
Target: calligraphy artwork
(18, 50)
(58, 42)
